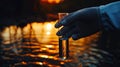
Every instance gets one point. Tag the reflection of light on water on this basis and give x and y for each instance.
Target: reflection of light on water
(62, 62)
(42, 31)
(39, 63)
(49, 46)
(48, 33)
(24, 63)
(26, 29)
(46, 45)
(48, 26)
(11, 34)
(5, 35)
(44, 56)
(52, 51)
(42, 49)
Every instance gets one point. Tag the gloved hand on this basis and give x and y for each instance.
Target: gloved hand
(80, 23)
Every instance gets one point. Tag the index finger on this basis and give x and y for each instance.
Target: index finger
(66, 20)
(60, 23)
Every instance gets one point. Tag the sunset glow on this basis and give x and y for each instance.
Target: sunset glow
(52, 1)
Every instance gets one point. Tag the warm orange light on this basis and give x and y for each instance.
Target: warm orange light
(48, 26)
(52, 1)
(24, 62)
(62, 63)
(39, 63)
(58, 1)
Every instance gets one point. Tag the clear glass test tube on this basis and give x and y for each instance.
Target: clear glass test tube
(63, 42)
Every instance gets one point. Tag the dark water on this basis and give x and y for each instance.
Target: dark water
(36, 45)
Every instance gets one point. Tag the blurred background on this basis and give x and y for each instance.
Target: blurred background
(44, 8)
(28, 37)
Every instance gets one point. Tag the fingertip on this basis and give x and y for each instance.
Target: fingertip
(60, 23)
(58, 33)
(57, 25)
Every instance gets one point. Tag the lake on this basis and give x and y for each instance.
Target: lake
(36, 45)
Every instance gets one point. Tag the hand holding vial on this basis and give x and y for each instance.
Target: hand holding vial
(63, 42)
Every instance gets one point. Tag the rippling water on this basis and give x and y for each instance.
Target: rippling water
(36, 45)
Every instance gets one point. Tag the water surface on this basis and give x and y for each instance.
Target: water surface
(36, 45)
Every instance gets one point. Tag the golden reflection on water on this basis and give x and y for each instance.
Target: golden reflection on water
(43, 32)
(43, 40)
